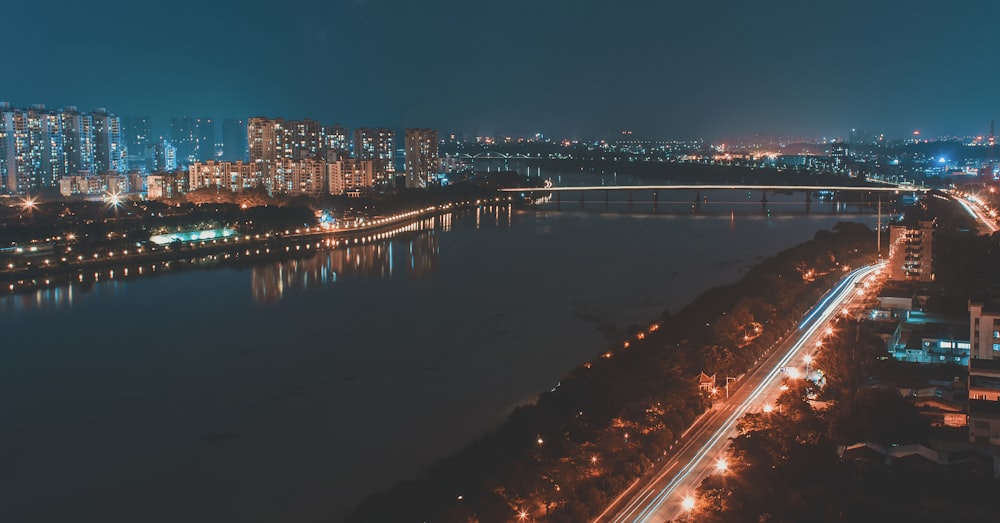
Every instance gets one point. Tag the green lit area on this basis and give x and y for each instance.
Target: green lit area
(192, 236)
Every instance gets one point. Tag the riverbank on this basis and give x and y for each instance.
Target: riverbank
(611, 419)
(30, 273)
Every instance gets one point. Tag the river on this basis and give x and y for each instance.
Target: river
(288, 390)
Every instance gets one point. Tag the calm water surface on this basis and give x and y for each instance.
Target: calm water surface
(290, 390)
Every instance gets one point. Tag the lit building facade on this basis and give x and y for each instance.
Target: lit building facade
(110, 154)
(230, 176)
(38, 147)
(378, 145)
(93, 185)
(911, 252)
(307, 177)
(165, 185)
(337, 141)
(161, 156)
(350, 175)
(421, 157)
(984, 380)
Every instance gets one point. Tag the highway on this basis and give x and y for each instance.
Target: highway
(659, 496)
(985, 216)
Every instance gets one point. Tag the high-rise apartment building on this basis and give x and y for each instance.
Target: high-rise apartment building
(265, 142)
(336, 141)
(39, 146)
(110, 154)
(421, 157)
(307, 176)
(184, 136)
(378, 145)
(272, 140)
(205, 147)
(138, 131)
(161, 156)
(304, 140)
(234, 140)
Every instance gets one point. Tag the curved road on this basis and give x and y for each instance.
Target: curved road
(659, 496)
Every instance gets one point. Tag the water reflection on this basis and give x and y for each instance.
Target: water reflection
(410, 250)
(270, 283)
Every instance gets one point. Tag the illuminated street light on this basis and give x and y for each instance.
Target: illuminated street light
(28, 203)
(688, 503)
(768, 408)
(721, 465)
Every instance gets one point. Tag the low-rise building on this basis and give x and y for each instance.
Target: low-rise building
(911, 252)
(930, 343)
(93, 185)
(166, 185)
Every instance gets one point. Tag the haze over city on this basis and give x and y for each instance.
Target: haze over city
(585, 69)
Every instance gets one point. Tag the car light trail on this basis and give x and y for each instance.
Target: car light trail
(648, 503)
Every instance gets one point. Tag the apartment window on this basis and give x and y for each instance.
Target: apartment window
(996, 347)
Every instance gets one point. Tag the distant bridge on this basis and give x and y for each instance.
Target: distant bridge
(491, 155)
(706, 187)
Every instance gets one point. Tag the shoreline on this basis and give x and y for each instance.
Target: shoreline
(493, 453)
(55, 275)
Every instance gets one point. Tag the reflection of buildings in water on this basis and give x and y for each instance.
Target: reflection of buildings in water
(366, 260)
(51, 297)
(424, 251)
(498, 212)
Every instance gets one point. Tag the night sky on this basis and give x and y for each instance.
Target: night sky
(581, 68)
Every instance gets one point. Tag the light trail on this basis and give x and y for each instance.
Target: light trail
(647, 504)
(979, 215)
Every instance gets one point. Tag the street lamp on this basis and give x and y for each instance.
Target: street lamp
(721, 466)
(688, 503)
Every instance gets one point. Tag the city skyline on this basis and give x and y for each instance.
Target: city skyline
(573, 70)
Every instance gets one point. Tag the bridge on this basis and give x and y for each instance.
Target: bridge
(706, 187)
(492, 155)
(556, 193)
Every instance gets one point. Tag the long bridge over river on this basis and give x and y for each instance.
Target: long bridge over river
(707, 187)
(557, 191)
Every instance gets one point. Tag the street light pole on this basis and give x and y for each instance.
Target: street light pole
(728, 379)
